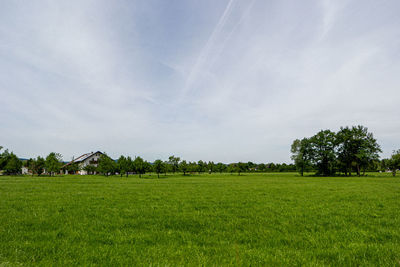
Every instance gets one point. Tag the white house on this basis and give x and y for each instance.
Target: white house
(85, 160)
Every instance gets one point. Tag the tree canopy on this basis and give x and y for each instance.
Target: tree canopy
(350, 149)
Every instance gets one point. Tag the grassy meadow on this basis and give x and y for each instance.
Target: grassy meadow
(252, 219)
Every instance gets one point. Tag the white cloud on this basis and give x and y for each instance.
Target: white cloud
(251, 78)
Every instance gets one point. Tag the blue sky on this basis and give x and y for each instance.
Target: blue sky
(227, 80)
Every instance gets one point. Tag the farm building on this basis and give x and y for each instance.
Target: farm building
(88, 159)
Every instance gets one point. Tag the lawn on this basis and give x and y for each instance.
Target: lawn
(252, 219)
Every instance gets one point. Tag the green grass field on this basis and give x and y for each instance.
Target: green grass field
(252, 219)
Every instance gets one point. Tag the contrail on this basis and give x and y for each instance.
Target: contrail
(242, 18)
(206, 49)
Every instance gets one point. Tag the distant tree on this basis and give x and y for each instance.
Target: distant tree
(140, 166)
(13, 165)
(301, 150)
(130, 165)
(201, 166)
(106, 165)
(28, 164)
(148, 167)
(123, 166)
(38, 165)
(159, 167)
(220, 167)
(394, 162)
(240, 167)
(231, 168)
(250, 166)
(174, 163)
(192, 167)
(261, 167)
(53, 163)
(90, 169)
(383, 165)
(74, 167)
(4, 157)
(211, 167)
(183, 166)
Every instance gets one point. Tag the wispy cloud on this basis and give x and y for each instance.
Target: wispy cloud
(224, 81)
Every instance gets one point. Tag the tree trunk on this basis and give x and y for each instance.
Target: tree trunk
(358, 170)
(158, 175)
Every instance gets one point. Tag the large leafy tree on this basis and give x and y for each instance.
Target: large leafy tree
(106, 165)
(322, 153)
(53, 163)
(302, 152)
(358, 147)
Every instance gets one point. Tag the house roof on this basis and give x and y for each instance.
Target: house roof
(82, 157)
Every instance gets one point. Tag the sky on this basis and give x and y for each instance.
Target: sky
(226, 80)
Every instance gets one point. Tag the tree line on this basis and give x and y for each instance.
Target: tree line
(350, 150)
(10, 164)
(125, 165)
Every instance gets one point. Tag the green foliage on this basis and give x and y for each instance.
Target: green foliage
(13, 164)
(174, 163)
(139, 166)
(183, 166)
(211, 167)
(328, 151)
(240, 167)
(37, 166)
(159, 167)
(106, 165)
(123, 166)
(323, 152)
(53, 163)
(220, 167)
(90, 169)
(75, 167)
(201, 166)
(278, 219)
(393, 163)
(4, 158)
(356, 146)
(301, 150)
